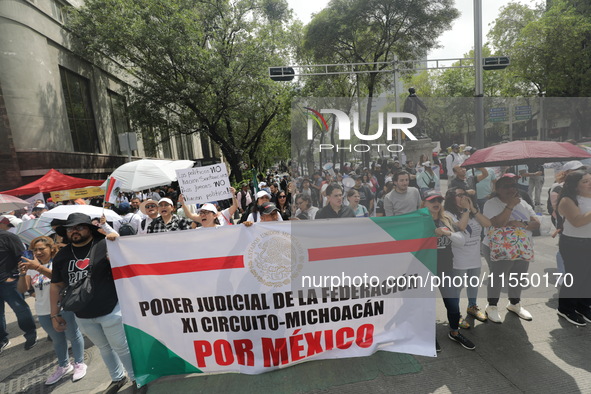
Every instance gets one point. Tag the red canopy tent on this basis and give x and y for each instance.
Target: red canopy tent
(53, 181)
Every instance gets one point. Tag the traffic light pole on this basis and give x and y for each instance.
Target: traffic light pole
(479, 89)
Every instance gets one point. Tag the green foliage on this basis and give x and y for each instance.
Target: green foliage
(550, 49)
(200, 66)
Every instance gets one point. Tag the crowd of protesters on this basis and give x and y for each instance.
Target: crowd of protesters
(479, 206)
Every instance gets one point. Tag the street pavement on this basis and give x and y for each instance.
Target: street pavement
(546, 355)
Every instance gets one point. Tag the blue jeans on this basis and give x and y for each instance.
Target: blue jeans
(60, 344)
(471, 291)
(107, 333)
(24, 317)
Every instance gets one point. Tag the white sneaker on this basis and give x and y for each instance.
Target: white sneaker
(79, 371)
(519, 311)
(492, 312)
(59, 373)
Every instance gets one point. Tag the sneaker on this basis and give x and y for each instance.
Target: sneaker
(573, 318)
(79, 371)
(437, 346)
(492, 312)
(519, 311)
(116, 386)
(586, 315)
(462, 340)
(4, 345)
(463, 323)
(59, 373)
(30, 343)
(476, 313)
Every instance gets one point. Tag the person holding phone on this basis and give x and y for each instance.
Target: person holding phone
(11, 249)
(36, 271)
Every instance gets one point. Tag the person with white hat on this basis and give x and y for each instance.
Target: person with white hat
(9, 222)
(168, 220)
(427, 179)
(261, 197)
(208, 216)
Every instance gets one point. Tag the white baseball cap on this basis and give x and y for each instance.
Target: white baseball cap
(208, 207)
(262, 193)
(572, 165)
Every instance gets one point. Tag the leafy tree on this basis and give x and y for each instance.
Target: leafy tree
(375, 31)
(200, 66)
(550, 49)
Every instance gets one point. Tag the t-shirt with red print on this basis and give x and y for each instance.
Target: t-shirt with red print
(70, 265)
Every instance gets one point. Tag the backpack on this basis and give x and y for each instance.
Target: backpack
(127, 229)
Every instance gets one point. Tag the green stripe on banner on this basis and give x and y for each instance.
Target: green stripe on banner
(151, 359)
(417, 224)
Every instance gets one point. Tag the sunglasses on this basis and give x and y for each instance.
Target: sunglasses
(282, 196)
(148, 206)
(76, 228)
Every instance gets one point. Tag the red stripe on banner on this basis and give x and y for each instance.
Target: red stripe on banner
(373, 249)
(179, 267)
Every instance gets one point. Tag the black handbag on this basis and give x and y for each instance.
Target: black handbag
(75, 297)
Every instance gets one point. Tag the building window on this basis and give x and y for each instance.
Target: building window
(205, 146)
(149, 142)
(184, 146)
(166, 145)
(119, 118)
(189, 151)
(80, 114)
(58, 10)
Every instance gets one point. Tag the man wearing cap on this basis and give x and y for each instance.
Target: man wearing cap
(261, 197)
(11, 249)
(427, 179)
(453, 159)
(269, 213)
(168, 220)
(334, 207)
(100, 320)
(127, 217)
(402, 199)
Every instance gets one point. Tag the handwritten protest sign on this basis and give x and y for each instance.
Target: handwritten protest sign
(204, 184)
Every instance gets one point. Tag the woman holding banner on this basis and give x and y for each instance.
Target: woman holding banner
(444, 230)
(466, 260)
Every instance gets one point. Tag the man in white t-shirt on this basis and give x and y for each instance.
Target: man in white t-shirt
(452, 160)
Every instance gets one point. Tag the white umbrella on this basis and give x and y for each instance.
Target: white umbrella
(31, 229)
(63, 211)
(147, 173)
(10, 203)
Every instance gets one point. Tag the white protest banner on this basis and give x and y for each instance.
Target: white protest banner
(254, 299)
(204, 184)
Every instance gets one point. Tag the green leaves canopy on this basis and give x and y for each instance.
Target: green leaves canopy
(200, 66)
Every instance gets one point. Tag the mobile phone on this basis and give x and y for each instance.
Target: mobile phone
(28, 254)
